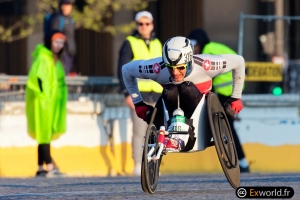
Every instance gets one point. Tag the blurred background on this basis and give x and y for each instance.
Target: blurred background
(265, 32)
(101, 31)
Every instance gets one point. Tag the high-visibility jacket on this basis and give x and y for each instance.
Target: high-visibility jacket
(222, 83)
(142, 52)
(46, 104)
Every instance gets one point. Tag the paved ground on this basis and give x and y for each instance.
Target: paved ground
(169, 187)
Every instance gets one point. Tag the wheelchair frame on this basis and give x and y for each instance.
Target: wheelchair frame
(210, 122)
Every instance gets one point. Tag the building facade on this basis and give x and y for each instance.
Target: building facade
(98, 52)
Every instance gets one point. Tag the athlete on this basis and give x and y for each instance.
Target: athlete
(182, 73)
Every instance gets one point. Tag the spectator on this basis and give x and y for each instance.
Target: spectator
(46, 99)
(63, 22)
(222, 84)
(142, 44)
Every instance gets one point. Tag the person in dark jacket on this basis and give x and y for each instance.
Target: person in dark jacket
(222, 84)
(141, 45)
(63, 20)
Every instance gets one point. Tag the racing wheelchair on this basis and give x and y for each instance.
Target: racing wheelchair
(211, 128)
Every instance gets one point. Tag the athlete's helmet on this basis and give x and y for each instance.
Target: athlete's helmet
(178, 50)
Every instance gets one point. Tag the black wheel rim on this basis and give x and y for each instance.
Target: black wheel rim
(151, 168)
(143, 176)
(223, 139)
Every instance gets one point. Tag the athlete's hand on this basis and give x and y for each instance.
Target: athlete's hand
(233, 106)
(143, 110)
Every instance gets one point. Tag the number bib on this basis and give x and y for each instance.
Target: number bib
(178, 124)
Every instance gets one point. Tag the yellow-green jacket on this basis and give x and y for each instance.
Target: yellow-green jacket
(46, 105)
(142, 52)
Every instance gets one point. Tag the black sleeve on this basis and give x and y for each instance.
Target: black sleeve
(40, 84)
(54, 22)
(69, 31)
(125, 56)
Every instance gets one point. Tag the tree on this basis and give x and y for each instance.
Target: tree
(92, 15)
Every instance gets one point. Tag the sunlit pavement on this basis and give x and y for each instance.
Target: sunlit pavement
(204, 186)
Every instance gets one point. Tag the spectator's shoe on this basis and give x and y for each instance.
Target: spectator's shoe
(55, 173)
(41, 173)
(244, 169)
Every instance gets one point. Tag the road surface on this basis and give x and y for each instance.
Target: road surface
(200, 186)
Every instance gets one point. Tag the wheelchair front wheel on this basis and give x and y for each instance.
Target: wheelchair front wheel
(150, 169)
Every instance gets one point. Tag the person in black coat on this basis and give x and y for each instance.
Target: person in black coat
(63, 21)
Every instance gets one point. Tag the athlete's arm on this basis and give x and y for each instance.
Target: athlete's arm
(153, 69)
(223, 63)
(236, 63)
(125, 56)
(129, 73)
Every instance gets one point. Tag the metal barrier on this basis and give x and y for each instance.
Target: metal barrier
(269, 18)
(104, 89)
(100, 92)
(269, 100)
(77, 80)
(293, 72)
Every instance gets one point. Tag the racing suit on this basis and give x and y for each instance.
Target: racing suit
(198, 80)
(204, 68)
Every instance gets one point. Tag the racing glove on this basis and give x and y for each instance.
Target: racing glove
(233, 106)
(143, 111)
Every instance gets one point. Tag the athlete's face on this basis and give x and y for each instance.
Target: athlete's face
(177, 72)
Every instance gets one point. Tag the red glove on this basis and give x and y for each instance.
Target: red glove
(233, 106)
(143, 110)
(236, 106)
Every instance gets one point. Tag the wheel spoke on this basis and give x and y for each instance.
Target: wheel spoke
(151, 167)
(224, 137)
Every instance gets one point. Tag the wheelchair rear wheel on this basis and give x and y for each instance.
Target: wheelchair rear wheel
(223, 139)
(150, 169)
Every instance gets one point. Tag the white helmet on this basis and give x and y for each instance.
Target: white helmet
(178, 50)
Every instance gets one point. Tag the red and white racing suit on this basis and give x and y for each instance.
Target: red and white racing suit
(204, 68)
